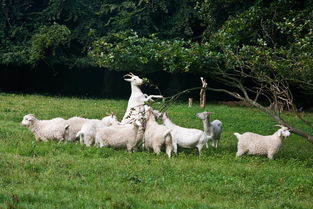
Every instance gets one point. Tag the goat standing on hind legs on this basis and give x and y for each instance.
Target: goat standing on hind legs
(137, 99)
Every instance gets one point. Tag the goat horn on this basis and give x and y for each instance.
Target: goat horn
(278, 125)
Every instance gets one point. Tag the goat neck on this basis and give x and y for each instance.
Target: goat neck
(151, 119)
(207, 126)
(167, 122)
(136, 98)
(140, 132)
(135, 89)
(34, 126)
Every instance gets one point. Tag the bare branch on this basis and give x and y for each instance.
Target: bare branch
(279, 92)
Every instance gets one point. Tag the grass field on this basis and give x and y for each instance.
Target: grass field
(56, 175)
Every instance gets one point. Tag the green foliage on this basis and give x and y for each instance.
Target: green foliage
(271, 38)
(57, 175)
(213, 14)
(128, 51)
(87, 21)
(268, 45)
(264, 40)
(48, 39)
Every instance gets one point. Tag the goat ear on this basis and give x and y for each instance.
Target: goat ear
(280, 134)
(32, 117)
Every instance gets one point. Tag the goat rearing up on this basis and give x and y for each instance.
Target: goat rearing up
(137, 99)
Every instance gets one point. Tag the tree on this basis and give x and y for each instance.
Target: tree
(271, 63)
(270, 46)
(23, 21)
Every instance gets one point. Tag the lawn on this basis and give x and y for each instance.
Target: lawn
(57, 175)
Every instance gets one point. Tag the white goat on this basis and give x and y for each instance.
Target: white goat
(157, 135)
(121, 136)
(45, 130)
(256, 144)
(137, 99)
(185, 137)
(75, 125)
(88, 131)
(213, 129)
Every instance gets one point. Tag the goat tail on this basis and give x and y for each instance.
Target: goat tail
(168, 142)
(237, 135)
(66, 132)
(80, 135)
(166, 133)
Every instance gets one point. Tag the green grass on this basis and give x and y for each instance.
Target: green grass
(56, 175)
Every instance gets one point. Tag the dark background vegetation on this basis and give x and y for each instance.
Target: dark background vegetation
(97, 83)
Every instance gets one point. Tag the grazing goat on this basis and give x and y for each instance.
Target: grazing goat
(121, 136)
(256, 144)
(213, 129)
(89, 129)
(45, 130)
(185, 137)
(76, 124)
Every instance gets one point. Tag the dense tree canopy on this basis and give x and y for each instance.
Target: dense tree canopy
(25, 23)
(202, 36)
(264, 40)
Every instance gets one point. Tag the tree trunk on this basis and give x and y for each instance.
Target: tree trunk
(190, 101)
(203, 92)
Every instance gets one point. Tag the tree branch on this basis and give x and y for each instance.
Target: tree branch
(245, 97)
(275, 116)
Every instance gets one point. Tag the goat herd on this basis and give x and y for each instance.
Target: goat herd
(139, 126)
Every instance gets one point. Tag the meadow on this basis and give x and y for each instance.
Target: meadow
(67, 175)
